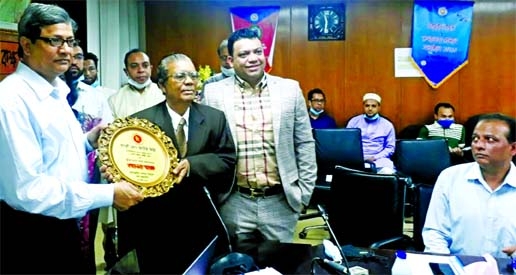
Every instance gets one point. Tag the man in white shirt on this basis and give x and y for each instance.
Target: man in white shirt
(91, 65)
(90, 104)
(43, 168)
(140, 92)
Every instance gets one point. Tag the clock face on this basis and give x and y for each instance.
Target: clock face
(326, 22)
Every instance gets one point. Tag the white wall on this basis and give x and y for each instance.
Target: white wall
(114, 28)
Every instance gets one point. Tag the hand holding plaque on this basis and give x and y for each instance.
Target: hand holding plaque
(139, 152)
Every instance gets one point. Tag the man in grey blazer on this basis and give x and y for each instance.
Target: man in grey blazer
(276, 168)
(170, 230)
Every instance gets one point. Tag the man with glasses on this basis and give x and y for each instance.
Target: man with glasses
(91, 109)
(226, 70)
(319, 119)
(43, 168)
(139, 92)
(170, 230)
(89, 103)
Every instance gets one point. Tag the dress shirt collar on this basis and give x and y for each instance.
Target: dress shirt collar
(176, 117)
(475, 175)
(244, 84)
(41, 87)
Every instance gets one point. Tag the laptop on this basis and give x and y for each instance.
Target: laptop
(201, 265)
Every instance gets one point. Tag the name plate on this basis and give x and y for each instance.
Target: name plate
(138, 151)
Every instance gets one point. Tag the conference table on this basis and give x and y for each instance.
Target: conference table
(290, 258)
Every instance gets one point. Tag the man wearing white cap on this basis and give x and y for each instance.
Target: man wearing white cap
(378, 134)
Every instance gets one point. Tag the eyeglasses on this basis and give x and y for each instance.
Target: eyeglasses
(223, 57)
(318, 100)
(181, 76)
(59, 42)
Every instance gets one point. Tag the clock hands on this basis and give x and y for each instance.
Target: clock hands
(325, 23)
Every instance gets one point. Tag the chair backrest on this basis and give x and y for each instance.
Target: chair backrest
(365, 207)
(342, 146)
(410, 132)
(422, 159)
(422, 195)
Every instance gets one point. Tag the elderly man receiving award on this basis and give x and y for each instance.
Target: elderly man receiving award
(205, 158)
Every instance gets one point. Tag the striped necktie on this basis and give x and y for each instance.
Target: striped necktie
(181, 138)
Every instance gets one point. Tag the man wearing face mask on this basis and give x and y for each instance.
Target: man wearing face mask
(378, 134)
(445, 127)
(226, 69)
(139, 92)
(319, 119)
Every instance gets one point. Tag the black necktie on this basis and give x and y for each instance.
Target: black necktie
(181, 138)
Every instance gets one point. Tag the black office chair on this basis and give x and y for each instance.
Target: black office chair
(342, 146)
(366, 209)
(422, 195)
(410, 132)
(422, 159)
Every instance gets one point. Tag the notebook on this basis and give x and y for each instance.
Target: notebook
(201, 265)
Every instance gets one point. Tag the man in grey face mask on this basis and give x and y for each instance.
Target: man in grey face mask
(226, 69)
(140, 92)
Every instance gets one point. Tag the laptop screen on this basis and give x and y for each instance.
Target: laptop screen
(201, 265)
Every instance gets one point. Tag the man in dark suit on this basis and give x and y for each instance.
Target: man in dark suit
(170, 230)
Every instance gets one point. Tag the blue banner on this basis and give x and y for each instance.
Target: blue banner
(441, 31)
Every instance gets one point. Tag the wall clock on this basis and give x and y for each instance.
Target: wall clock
(326, 22)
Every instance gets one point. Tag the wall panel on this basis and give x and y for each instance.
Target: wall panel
(364, 61)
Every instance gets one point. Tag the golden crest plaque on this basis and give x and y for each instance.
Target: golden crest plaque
(139, 152)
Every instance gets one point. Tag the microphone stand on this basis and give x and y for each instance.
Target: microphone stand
(332, 234)
(233, 262)
(219, 218)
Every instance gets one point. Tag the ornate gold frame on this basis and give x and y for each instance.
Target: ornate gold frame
(139, 152)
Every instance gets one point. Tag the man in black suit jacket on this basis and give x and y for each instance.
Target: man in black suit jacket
(170, 230)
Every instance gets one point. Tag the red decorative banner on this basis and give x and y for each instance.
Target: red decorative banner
(9, 54)
(264, 20)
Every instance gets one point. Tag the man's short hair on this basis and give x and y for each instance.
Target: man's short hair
(92, 56)
(162, 72)
(126, 57)
(36, 16)
(223, 44)
(510, 121)
(245, 33)
(315, 91)
(444, 105)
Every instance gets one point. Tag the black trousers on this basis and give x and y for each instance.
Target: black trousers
(37, 244)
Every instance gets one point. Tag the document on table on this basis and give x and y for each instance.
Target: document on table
(265, 271)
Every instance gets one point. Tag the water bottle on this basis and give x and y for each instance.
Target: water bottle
(401, 265)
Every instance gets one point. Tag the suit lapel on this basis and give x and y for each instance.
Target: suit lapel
(195, 129)
(229, 104)
(276, 102)
(162, 118)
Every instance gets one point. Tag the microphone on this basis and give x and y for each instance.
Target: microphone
(233, 262)
(218, 217)
(333, 266)
(332, 235)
